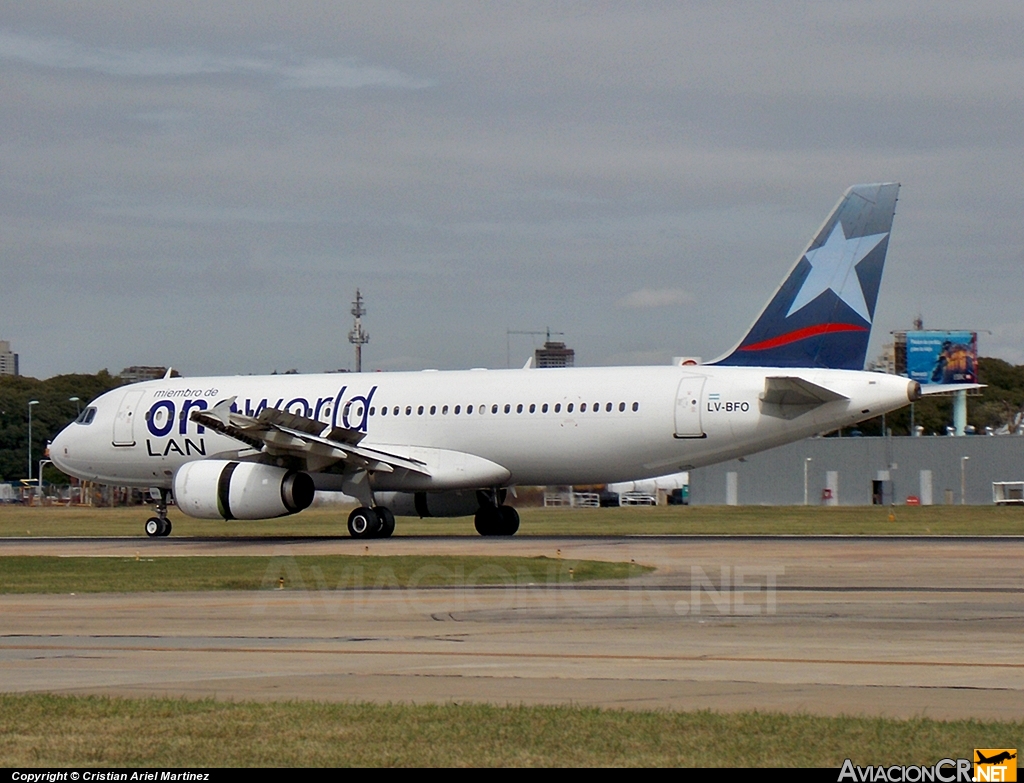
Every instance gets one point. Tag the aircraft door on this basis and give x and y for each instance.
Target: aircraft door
(689, 399)
(124, 422)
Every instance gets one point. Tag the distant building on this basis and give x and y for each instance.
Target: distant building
(554, 354)
(8, 360)
(137, 373)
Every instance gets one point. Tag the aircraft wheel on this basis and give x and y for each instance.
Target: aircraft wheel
(167, 528)
(154, 527)
(363, 522)
(509, 521)
(488, 521)
(387, 521)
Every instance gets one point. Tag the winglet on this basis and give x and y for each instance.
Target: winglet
(821, 314)
(221, 411)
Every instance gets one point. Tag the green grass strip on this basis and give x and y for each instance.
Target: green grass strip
(51, 521)
(27, 574)
(44, 731)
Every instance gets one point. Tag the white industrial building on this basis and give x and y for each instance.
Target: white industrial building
(861, 471)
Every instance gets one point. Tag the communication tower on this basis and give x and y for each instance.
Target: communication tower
(358, 336)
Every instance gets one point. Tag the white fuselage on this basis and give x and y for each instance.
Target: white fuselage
(562, 426)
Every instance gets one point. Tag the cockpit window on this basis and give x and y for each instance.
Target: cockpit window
(86, 416)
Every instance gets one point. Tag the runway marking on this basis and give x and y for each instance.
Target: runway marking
(520, 655)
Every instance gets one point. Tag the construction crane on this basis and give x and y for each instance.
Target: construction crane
(508, 340)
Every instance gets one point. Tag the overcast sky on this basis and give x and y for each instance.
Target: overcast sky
(204, 185)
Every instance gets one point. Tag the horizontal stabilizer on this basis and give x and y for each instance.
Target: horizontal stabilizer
(945, 388)
(787, 397)
(789, 390)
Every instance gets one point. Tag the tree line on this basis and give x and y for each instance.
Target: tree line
(55, 411)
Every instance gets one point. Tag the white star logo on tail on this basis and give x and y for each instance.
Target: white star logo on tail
(833, 267)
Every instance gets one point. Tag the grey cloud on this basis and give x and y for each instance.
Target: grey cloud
(655, 297)
(296, 73)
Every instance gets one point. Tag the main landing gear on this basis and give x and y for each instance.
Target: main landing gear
(376, 522)
(493, 518)
(159, 526)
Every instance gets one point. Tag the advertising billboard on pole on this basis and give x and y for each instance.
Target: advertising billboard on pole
(942, 357)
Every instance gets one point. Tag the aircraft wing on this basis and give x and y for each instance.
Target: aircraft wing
(280, 433)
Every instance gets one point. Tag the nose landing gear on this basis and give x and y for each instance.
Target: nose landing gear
(159, 526)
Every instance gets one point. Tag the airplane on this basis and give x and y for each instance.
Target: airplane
(996, 759)
(449, 444)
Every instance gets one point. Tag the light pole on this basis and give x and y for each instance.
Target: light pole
(78, 407)
(30, 404)
(963, 480)
(807, 461)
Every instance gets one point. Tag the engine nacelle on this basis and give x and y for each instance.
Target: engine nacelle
(458, 503)
(222, 489)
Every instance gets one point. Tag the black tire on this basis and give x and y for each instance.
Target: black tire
(509, 521)
(167, 528)
(387, 521)
(154, 527)
(363, 522)
(488, 521)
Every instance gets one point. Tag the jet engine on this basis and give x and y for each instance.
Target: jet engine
(458, 503)
(222, 489)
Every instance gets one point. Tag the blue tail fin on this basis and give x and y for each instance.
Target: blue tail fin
(821, 314)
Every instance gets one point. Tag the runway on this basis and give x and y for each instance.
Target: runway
(863, 626)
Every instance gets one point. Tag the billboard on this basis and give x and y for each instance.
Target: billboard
(942, 357)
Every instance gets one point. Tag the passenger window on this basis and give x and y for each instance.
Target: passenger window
(608, 408)
(444, 410)
(622, 407)
(583, 407)
(494, 409)
(373, 411)
(395, 410)
(419, 411)
(568, 408)
(544, 408)
(597, 407)
(408, 410)
(533, 407)
(433, 409)
(458, 408)
(383, 411)
(519, 408)
(636, 406)
(359, 411)
(507, 407)
(558, 407)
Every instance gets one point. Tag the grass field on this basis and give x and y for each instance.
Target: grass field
(329, 572)
(43, 731)
(661, 520)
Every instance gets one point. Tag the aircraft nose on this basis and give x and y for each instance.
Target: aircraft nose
(60, 450)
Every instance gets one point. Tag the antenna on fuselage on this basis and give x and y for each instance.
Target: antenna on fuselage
(358, 337)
